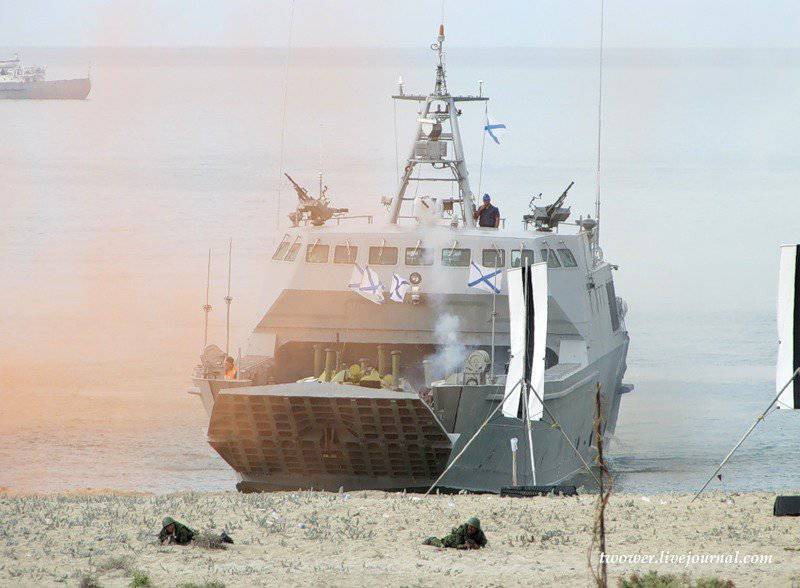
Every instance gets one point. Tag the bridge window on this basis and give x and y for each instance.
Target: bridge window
(526, 257)
(282, 248)
(383, 255)
(293, 250)
(455, 257)
(419, 256)
(316, 253)
(567, 259)
(552, 260)
(494, 258)
(345, 254)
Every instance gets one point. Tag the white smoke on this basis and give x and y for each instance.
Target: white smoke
(450, 355)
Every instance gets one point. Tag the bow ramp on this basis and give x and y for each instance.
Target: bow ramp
(327, 436)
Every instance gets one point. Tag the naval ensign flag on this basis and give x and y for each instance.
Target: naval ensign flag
(788, 326)
(527, 311)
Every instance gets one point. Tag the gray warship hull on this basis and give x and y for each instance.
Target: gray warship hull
(332, 436)
(76, 89)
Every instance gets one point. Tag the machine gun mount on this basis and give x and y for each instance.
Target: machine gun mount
(316, 211)
(547, 218)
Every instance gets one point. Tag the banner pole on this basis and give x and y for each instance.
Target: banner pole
(759, 418)
(530, 436)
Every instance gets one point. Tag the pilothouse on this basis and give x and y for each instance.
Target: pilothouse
(389, 340)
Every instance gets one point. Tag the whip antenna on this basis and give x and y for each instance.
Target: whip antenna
(207, 306)
(599, 124)
(283, 121)
(228, 300)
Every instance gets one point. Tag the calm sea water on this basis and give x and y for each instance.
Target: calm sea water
(109, 206)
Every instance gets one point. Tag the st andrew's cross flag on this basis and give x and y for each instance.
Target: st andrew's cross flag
(489, 279)
(367, 283)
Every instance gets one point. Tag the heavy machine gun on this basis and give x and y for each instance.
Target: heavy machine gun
(316, 211)
(547, 218)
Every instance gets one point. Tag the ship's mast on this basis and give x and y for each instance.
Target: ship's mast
(439, 163)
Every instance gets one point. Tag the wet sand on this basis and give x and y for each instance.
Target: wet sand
(365, 538)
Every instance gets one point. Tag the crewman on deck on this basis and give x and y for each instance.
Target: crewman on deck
(487, 215)
(174, 532)
(466, 536)
(231, 373)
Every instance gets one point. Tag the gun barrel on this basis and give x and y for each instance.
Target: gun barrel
(288, 177)
(301, 192)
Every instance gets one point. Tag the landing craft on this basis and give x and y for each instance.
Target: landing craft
(342, 387)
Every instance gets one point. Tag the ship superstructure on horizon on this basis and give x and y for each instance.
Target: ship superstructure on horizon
(18, 81)
(279, 428)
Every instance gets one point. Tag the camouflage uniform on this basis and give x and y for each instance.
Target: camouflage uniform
(182, 535)
(459, 536)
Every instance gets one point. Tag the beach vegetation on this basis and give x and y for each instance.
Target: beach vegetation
(206, 584)
(140, 579)
(88, 581)
(121, 563)
(713, 583)
(656, 580)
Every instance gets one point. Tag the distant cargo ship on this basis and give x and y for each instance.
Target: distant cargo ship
(20, 82)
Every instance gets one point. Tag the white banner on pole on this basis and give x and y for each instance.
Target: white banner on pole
(516, 331)
(527, 308)
(539, 281)
(788, 327)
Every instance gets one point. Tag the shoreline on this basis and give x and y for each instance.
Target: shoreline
(353, 538)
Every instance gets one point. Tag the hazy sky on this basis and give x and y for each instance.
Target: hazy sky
(666, 23)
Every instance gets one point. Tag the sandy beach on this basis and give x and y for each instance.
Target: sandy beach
(365, 538)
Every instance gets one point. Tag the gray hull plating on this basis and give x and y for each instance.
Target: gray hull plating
(487, 463)
(77, 89)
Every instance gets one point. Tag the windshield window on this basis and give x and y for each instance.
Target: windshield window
(383, 255)
(282, 248)
(345, 254)
(316, 253)
(552, 260)
(419, 256)
(527, 255)
(494, 258)
(292, 255)
(455, 257)
(567, 259)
